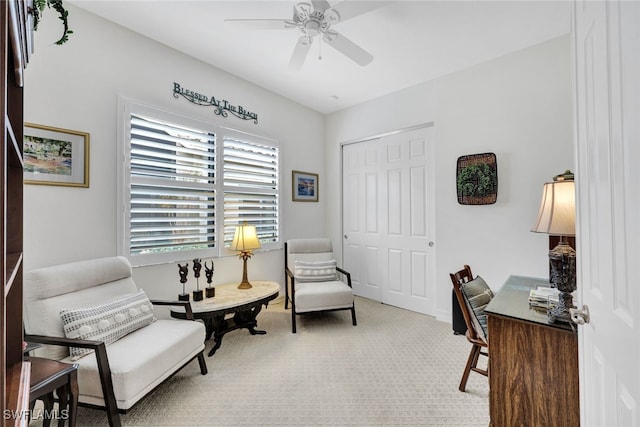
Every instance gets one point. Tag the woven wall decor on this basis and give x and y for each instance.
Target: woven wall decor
(477, 179)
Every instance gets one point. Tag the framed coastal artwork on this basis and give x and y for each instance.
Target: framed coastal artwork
(305, 186)
(55, 156)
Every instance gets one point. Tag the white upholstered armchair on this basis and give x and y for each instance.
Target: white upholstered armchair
(314, 281)
(91, 313)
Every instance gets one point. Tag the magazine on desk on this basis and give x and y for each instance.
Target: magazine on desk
(543, 298)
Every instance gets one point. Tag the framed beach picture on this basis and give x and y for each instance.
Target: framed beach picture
(54, 156)
(305, 186)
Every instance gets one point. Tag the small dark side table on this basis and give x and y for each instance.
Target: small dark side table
(48, 376)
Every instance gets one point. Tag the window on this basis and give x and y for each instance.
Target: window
(250, 188)
(171, 182)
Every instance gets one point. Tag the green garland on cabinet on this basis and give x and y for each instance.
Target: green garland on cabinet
(63, 16)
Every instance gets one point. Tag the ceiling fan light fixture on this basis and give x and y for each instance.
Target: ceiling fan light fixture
(331, 17)
(305, 40)
(302, 11)
(329, 36)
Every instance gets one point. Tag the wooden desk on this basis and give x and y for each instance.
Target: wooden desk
(533, 365)
(243, 304)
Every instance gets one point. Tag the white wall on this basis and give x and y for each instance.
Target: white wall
(75, 86)
(517, 106)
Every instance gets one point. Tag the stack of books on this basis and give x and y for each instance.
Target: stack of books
(543, 298)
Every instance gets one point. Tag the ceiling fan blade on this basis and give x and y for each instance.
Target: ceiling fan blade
(349, 49)
(300, 54)
(350, 9)
(320, 5)
(258, 24)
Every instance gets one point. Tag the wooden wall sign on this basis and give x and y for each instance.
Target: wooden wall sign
(477, 179)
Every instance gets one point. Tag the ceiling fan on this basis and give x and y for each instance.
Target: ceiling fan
(317, 18)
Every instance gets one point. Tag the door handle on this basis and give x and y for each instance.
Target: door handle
(580, 316)
(346, 237)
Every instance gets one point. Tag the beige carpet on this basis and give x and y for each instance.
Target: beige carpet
(395, 368)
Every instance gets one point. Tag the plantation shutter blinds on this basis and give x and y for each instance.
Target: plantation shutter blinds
(250, 188)
(172, 194)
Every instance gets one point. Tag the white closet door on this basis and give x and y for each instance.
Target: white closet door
(388, 218)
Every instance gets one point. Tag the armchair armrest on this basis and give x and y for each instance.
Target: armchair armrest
(64, 342)
(185, 304)
(346, 273)
(104, 370)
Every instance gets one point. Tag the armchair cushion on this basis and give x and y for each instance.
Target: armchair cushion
(141, 360)
(331, 295)
(107, 322)
(479, 295)
(315, 271)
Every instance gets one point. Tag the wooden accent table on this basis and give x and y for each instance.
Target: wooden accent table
(48, 376)
(533, 365)
(244, 304)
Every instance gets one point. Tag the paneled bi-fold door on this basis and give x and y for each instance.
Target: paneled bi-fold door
(388, 218)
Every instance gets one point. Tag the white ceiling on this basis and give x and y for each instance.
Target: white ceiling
(411, 41)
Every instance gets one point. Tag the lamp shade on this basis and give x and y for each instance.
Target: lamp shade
(557, 215)
(245, 238)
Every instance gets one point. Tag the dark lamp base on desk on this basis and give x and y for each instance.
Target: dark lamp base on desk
(560, 313)
(563, 277)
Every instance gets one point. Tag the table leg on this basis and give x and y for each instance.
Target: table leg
(209, 327)
(248, 319)
(218, 326)
(244, 317)
(63, 404)
(73, 397)
(48, 400)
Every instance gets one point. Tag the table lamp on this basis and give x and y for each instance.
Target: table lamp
(557, 217)
(245, 240)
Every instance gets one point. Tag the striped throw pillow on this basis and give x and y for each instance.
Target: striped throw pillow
(108, 322)
(315, 271)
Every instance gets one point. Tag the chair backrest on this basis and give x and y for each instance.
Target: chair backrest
(315, 249)
(74, 285)
(474, 330)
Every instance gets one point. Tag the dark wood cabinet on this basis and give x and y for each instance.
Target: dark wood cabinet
(15, 37)
(533, 365)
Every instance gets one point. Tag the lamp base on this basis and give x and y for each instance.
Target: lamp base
(563, 277)
(560, 313)
(245, 255)
(245, 285)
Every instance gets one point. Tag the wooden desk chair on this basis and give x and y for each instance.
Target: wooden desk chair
(474, 334)
(48, 376)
